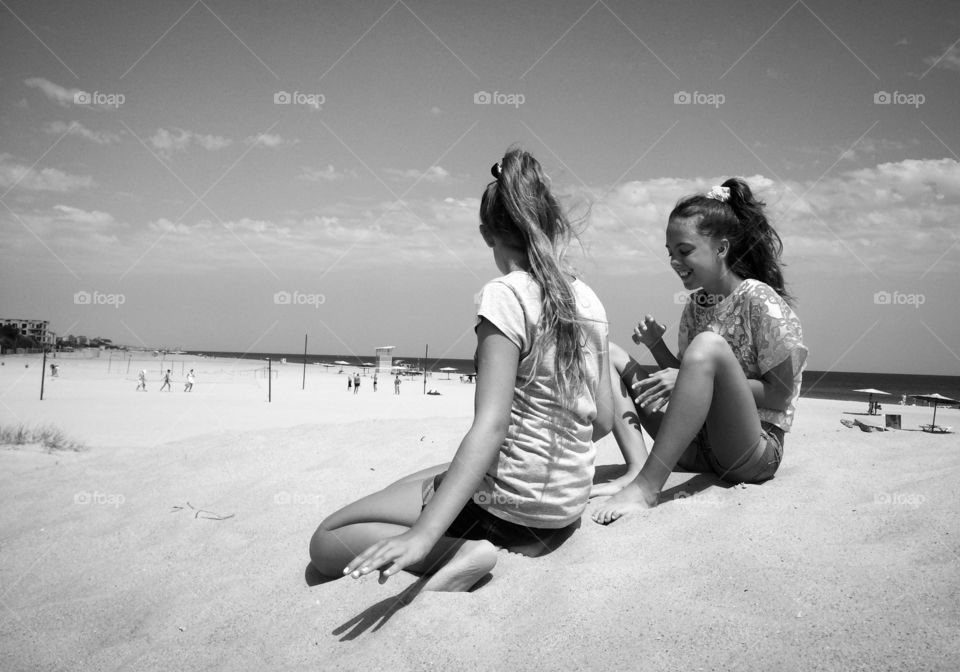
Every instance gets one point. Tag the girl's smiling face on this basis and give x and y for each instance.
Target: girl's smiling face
(697, 259)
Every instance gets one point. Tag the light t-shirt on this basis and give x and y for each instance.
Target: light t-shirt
(761, 329)
(544, 469)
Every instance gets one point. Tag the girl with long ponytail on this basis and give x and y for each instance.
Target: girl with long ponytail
(732, 389)
(522, 475)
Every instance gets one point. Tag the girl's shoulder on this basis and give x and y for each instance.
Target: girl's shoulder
(588, 303)
(764, 302)
(759, 293)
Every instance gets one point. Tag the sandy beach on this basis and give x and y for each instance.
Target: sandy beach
(178, 539)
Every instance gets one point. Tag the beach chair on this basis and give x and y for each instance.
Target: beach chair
(936, 429)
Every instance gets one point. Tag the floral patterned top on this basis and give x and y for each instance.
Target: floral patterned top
(761, 329)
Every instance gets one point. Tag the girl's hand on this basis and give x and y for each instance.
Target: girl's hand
(394, 553)
(648, 332)
(655, 389)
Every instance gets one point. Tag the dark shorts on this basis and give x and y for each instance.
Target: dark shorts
(475, 522)
(757, 464)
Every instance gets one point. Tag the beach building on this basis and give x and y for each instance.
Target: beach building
(384, 360)
(38, 330)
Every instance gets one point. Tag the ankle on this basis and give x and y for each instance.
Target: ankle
(649, 492)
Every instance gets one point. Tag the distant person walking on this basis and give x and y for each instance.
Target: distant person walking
(166, 382)
(142, 378)
(349, 382)
(374, 382)
(396, 384)
(356, 383)
(189, 386)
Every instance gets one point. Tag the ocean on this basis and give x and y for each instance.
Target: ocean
(816, 384)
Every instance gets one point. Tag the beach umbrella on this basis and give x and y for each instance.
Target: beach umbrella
(870, 391)
(448, 369)
(936, 399)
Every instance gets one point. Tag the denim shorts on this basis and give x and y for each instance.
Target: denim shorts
(758, 464)
(475, 522)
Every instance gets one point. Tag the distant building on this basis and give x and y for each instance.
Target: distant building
(384, 361)
(38, 330)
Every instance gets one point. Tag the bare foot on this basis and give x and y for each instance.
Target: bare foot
(470, 563)
(631, 499)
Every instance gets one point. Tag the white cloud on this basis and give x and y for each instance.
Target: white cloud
(77, 129)
(328, 174)
(76, 215)
(58, 94)
(43, 179)
(168, 143)
(948, 61)
(270, 140)
(434, 174)
(212, 142)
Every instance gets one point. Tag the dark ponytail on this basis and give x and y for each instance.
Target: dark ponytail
(755, 247)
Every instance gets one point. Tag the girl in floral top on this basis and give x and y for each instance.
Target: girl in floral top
(731, 391)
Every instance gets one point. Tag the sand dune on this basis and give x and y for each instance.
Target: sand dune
(178, 540)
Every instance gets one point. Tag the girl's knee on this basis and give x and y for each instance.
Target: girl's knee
(706, 346)
(320, 557)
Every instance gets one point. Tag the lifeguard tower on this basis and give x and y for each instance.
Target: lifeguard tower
(384, 360)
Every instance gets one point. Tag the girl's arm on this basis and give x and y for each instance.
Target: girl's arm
(662, 355)
(775, 388)
(604, 422)
(627, 431)
(650, 333)
(497, 361)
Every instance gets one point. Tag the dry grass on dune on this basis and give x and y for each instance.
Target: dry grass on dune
(49, 437)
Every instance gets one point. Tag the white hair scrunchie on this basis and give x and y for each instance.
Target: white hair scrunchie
(719, 193)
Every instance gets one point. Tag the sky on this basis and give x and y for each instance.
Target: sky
(231, 176)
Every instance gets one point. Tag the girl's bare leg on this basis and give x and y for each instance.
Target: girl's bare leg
(710, 388)
(452, 565)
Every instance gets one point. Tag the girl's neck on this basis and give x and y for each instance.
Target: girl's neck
(510, 260)
(725, 284)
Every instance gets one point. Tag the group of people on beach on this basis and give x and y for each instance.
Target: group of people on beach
(550, 384)
(167, 380)
(353, 383)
